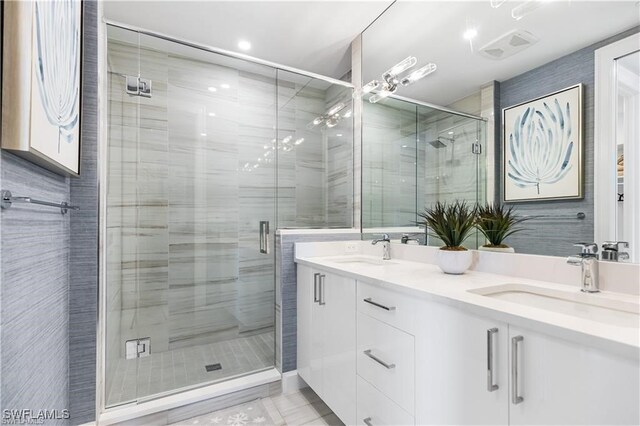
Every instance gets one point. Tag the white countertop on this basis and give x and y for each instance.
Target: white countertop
(428, 281)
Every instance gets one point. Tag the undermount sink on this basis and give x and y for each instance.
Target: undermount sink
(363, 260)
(595, 307)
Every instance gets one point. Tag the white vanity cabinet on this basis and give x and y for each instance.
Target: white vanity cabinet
(474, 370)
(462, 368)
(326, 338)
(378, 356)
(561, 382)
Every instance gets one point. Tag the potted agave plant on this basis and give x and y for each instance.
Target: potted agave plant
(452, 223)
(496, 222)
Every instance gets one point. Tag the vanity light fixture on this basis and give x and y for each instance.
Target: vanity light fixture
(391, 79)
(244, 45)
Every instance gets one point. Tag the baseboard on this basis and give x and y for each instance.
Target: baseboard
(291, 382)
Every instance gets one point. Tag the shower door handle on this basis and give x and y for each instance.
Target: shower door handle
(264, 236)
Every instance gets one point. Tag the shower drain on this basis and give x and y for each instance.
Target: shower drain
(213, 367)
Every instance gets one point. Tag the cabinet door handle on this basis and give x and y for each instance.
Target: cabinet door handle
(315, 287)
(321, 292)
(367, 421)
(386, 308)
(515, 397)
(378, 360)
(490, 333)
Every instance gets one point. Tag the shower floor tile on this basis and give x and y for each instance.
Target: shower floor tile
(170, 370)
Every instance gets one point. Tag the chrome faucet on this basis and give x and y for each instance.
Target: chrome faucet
(587, 259)
(386, 246)
(613, 251)
(406, 238)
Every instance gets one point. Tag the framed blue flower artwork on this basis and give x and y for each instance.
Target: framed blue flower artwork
(42, 51)
(543, 148)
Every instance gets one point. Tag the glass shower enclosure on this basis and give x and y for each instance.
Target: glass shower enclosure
(205, 155)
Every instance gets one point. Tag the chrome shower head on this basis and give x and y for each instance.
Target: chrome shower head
(437, 143)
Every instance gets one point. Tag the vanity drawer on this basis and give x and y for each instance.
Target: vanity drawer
(385, 358)
(377, 409)
(388, 306)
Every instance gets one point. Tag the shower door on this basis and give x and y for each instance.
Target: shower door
(190, 218)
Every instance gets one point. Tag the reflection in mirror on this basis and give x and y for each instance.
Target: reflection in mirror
(520, 54)
(415, 155)
(628, 150)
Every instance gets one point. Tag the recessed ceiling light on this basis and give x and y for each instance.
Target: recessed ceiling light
(244, 45)
(212, 114)
(225, 86)
(212, 89)
(470, 33)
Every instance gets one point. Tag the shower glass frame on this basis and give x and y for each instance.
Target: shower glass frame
(103, 154)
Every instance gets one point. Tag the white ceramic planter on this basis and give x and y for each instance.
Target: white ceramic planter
(497, 249)
(454, 262)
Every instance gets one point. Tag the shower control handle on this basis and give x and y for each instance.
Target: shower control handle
(264, 236)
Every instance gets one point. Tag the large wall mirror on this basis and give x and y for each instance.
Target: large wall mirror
(526, 71)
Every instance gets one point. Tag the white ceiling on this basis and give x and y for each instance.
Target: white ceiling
(432, 31)
(310, 35)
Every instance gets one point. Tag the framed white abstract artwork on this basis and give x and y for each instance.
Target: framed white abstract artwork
(41, 89)
(543, 148)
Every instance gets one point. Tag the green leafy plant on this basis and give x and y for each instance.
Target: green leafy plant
(451, 222)
(496, 222)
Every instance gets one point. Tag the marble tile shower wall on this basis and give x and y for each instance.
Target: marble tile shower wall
(389, 165)
(184, 208)
(315, 177)
(404, 171)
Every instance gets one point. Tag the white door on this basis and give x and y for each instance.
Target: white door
(461, 368)
(338, 302)
(560, 382)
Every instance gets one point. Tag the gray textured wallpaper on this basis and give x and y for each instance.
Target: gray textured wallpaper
(47, 320)
(555, 237)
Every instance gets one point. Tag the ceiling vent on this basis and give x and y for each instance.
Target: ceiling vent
(508, 44)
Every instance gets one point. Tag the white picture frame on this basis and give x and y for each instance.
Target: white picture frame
(542, 145)
(41, 82)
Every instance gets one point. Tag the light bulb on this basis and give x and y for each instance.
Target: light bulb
(418, 74)
(401, 66)
(332, 122)
(525, 8)
(336, 108)
(299, 141)
(370, 86)
(317, 121)
(379, 96)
